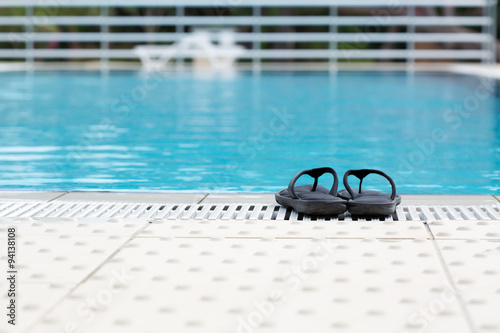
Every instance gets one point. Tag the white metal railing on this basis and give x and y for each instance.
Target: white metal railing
(40, 14)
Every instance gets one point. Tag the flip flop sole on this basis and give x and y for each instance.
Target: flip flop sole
(312, 207)
(373, 208)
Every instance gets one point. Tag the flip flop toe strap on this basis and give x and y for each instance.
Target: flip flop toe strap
(315, 173)
(361, 174)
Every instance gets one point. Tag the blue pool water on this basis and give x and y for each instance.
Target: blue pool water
(434, 134)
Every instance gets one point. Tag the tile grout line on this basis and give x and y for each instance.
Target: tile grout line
(206, 195)
(495, 197)
(449, 277)
(131, 238)
(429, 231)
(59, 196)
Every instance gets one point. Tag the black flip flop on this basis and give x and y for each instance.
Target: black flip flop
(369, 203)
(313, 199)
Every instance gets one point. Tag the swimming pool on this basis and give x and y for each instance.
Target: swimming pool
(433, 133)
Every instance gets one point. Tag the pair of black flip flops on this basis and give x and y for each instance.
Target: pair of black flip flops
(317, 200)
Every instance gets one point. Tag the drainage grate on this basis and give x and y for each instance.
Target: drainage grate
(109, 210)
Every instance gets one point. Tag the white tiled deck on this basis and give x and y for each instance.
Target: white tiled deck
(189, 274)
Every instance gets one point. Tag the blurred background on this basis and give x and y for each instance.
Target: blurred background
(300, 31)
(167, 129)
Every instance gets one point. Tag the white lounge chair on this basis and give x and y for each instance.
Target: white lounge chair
(198, 46)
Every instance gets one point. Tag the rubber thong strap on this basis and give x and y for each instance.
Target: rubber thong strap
(315, 173)
(361, 174)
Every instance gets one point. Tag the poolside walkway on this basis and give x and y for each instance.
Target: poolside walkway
(180, 262)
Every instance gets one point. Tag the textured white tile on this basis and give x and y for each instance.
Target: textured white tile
(475, 269)
(264, 285)
(286, 229)
(472, 229)
(483, 305)
(33, 300)
(72, 227)
(473, 264)
(65, 258)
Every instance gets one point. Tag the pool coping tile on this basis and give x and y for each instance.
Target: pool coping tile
(218, 198)
(134, 197)
(453, 200)
(30, 195)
